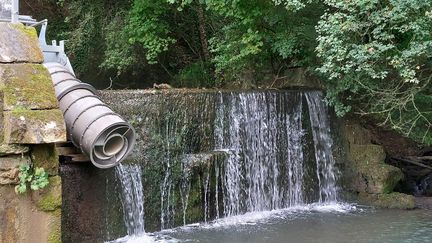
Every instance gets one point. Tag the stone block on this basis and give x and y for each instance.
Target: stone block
(366, 154)
(8, 149)
(9, 168)
(22, 221)
(356, 134)
(34, 126)
(49, 199)
(19, 43)
(394, 200)
(45, 156)
(26, 86)
(372, 175)
(377, 178)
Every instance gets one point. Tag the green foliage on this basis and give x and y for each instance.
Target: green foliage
(292, 5)
(148, 26)
(196, 75)
(36, 178)
(260, 35)
(119, 55)
(376, 57)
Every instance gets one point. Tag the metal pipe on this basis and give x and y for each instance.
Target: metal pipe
(99, 132)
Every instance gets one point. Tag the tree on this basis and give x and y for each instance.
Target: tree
(376, 58)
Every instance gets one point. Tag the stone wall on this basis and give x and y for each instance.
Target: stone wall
(371, 179)
(30, 124)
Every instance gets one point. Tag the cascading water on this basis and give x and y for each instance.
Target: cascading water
(263, 135)
(320, 123)
(208, 155)
(132, 198)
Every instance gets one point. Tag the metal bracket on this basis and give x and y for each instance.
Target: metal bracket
(53, 52)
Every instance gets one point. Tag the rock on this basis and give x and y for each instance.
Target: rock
(21, 221)
(394, 200)
(9, 168)
(356, 134)
(34, 126)
(424, 202)
(9, 215)
(8, 149)
(50, 198)
(162, 86)
(366, 154)
(372, 175)
(203, 159)
(1, 123)
(45, 156)
(26, 86)
(19, 43)
(377, 178)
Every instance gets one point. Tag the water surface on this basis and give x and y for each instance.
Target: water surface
(313, 223)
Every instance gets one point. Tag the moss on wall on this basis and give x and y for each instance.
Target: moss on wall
(394, 200)
(50, 199)
(29, 115)
(54, 235)
(27, 86)
(29, 31)
(45, 156)
(19, 43)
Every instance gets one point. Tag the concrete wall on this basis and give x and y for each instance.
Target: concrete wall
(30, 124)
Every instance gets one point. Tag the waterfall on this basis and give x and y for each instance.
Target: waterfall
(132, 198)
(209, 154)
(320, 123)
(263, 134)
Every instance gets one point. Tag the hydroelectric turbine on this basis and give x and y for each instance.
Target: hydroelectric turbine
(100, 133)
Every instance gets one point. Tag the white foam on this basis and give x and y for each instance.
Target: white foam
(145, 238)
(253, 218)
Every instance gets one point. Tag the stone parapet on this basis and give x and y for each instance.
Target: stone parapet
(26, 86)
(34, 126)
(19, 44)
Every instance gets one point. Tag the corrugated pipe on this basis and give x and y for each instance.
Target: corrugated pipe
(100, 133)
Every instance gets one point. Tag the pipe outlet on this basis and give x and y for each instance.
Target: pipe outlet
(101, 134)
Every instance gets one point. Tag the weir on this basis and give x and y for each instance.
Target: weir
(207, 155)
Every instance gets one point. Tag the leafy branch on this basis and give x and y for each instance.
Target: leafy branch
(36, 178)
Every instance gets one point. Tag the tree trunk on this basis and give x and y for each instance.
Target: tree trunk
(203, 32)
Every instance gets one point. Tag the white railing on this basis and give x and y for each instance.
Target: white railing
(9, 12)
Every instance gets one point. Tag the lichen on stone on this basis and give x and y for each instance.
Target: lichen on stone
(8, 149)
(29, 31)
(34, 126)
(50, 199)
(26, 86)
(19, 43)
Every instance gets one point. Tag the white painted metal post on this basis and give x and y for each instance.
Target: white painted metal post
(15, 11)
